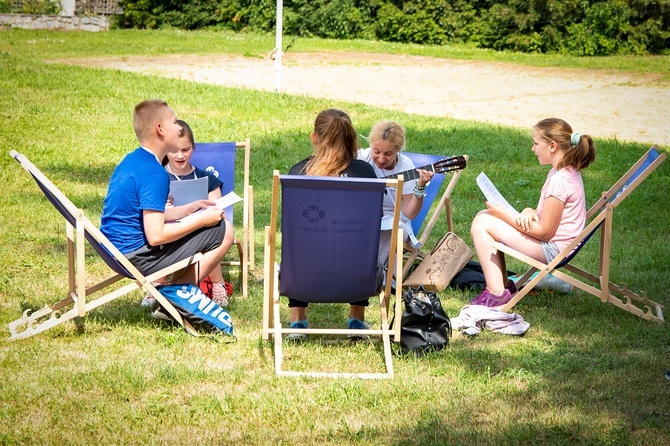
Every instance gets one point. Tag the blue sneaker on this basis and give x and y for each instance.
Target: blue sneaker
(298, 324)
(357, 324)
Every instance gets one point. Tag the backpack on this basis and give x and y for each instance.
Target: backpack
(198, 309)
(471, 277)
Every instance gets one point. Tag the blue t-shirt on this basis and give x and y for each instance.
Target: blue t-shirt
(139, 182)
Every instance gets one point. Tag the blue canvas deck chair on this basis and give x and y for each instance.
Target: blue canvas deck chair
(443, 203)
(330, 230)
(599, 217)
(79, 229)
(219, 158)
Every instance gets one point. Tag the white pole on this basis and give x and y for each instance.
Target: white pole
(278, 45)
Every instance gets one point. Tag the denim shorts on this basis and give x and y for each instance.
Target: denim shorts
(550, 251)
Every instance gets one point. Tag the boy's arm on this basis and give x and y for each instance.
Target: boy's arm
(179, 212)
(159, 233)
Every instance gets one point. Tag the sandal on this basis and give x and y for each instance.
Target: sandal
(220, 294)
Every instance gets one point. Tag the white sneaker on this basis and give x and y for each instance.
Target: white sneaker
(158, 313)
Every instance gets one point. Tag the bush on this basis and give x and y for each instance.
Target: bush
(417, 26)
(578, 27)
(603, 31)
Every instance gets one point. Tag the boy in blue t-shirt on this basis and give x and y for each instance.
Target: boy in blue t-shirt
(135, 218)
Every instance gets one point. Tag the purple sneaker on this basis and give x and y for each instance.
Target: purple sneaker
(489, 299)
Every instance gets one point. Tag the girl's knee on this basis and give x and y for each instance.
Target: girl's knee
(478, 223)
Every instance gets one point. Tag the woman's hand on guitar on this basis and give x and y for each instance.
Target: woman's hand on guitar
(424, 177)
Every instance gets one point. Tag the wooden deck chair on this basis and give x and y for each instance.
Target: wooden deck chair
(330, 238)
(79, 229)
(443, 204)
(220, 159)
(599, 217)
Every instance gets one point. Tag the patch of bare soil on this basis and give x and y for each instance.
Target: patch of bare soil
(628, 107)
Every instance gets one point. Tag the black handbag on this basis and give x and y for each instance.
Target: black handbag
(424, 325)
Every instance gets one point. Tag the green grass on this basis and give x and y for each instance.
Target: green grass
(41, 45)
(585, 373)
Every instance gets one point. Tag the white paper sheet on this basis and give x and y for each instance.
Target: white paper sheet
(187, 191)
(222, 203)
(491, 193)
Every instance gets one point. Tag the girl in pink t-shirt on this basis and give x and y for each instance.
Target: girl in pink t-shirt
(543, 232)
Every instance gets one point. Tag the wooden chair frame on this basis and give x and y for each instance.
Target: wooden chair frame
(272, 327)
(600, 217)
(78, 230)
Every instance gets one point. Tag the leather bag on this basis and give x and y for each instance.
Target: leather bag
(435, 271)
(425, 325)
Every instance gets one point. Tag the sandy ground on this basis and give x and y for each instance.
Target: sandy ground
(628, 107)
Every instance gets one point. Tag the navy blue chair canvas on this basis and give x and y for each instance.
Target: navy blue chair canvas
(599, 218)
(330, 230)
(79, 230)
(219, 158)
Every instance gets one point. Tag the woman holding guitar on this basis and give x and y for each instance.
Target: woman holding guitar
(387, 139)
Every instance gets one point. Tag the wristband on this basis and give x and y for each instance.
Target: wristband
(419, 193)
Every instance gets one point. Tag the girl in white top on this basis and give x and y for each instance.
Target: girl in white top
(543, 232)
(387, 139)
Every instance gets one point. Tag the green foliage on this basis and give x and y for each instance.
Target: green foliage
(603, 31)
(412, 25)
(577, 27)
(5, 6)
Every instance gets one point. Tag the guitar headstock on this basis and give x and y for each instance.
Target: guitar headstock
(450, 164)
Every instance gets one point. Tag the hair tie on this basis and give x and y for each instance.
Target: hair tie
(574, 138)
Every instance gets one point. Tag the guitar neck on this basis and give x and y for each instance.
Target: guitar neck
(412, 174)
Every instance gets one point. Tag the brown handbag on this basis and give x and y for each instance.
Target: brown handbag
(435, 271)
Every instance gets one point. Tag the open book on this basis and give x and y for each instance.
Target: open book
(222, 203)
(492, 194)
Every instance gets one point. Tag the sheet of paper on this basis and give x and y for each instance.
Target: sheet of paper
(222, 203)
(228, 200)
(491, 193)
(187, 191)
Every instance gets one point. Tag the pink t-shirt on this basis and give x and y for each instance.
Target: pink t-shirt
(566, 185)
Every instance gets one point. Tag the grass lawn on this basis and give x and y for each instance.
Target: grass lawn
(585, 372)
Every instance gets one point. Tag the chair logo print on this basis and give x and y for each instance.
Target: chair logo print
(313, 214)
(212, 170)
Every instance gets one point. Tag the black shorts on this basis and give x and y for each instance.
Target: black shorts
(149, 259)
(298, 303)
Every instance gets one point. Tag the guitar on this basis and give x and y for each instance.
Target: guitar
(442, 166)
